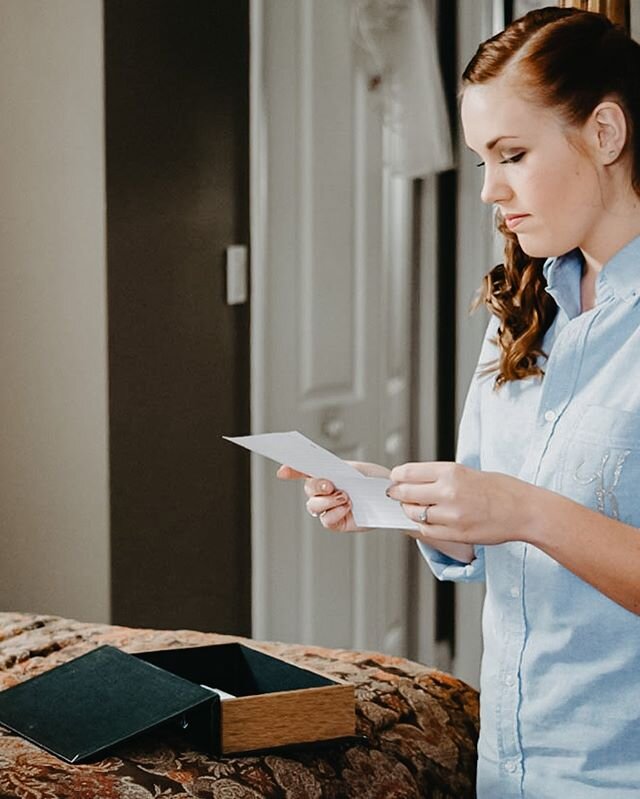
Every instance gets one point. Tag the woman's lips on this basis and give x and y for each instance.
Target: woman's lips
(513, 220)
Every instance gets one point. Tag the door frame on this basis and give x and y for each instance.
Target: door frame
(258, 238)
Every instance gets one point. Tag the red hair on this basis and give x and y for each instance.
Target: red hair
(568, 60)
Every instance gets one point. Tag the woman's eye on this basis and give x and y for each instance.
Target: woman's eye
(512, 160)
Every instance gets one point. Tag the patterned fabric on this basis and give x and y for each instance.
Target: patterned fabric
(422, 727)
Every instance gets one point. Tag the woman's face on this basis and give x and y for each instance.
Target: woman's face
(532, 170)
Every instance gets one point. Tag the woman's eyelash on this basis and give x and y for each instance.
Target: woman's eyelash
(513, 160)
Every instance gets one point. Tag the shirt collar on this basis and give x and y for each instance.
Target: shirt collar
(563, 274)
(620, 276)
(622, 271)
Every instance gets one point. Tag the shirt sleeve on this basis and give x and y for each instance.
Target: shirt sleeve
(467, 453)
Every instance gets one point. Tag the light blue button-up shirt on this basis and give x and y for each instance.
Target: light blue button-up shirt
(560, 684)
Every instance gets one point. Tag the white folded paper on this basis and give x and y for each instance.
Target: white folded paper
(371, 507)
(222, 694)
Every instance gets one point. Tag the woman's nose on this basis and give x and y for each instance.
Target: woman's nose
(494, 190)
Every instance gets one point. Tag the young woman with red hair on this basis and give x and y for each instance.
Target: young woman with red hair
(543, 502)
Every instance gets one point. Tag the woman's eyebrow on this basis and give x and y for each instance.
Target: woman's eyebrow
(490, 145)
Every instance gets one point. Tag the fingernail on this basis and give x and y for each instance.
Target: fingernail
(324, 486)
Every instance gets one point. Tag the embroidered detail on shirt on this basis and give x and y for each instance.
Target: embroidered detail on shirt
(598, 477)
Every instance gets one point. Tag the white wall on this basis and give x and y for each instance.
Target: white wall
(54, 523)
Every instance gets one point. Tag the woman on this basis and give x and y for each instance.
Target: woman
(544, 500)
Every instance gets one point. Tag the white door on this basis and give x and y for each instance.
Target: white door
(331, 284)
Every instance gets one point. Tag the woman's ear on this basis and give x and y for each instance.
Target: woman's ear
(608, 131)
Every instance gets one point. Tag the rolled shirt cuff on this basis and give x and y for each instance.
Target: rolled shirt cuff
(446, 568)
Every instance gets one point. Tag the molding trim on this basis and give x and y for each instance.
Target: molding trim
(258, 249)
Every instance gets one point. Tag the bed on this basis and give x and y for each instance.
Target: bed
(421, 725)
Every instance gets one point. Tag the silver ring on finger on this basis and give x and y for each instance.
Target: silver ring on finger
(423, 518)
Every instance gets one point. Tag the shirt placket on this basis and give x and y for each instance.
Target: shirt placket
(561, 374)
(509, 746)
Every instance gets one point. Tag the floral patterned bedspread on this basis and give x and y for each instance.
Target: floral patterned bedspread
(421, 725)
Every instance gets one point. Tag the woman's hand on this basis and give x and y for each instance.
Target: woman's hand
(324, 501)
(464, 505)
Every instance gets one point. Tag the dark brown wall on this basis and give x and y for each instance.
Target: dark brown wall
(177, 121)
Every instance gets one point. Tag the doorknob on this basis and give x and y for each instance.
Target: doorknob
(393, 444)
(333, 428)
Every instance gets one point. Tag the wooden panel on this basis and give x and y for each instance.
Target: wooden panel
(279, 719)
(617, 10)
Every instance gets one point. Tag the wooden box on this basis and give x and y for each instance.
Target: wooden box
(276, 703)
(93, 705)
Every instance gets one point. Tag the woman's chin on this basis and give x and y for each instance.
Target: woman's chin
(532, 247)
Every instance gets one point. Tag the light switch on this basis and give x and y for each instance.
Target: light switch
(237, 274)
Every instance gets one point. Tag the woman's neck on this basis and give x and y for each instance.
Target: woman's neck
(617, 228)
(588, 290)
(617, 225)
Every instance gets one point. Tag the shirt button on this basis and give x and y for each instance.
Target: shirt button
(509, 680)
(515, 591)
(511, 766)
(550, 416)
